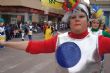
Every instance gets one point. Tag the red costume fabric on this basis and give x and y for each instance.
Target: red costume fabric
(49, 46)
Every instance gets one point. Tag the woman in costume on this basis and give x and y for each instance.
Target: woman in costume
(76, 51)
(97, 23)
(2, 31)
(48, 32)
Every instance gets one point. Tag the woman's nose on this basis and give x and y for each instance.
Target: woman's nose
(77, 19)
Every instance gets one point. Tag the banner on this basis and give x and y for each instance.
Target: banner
(56, 5)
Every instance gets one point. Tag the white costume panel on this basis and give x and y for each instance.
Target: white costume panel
(99, 32)
(77, 55)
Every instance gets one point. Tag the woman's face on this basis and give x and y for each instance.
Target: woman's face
(95, 24)
(78, 22)
(1, 23)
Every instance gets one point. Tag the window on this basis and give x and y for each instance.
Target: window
(102, 0)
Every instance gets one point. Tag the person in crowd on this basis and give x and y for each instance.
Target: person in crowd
(2, 31)
(30, 31)
(76, 51)
(22, 28)
(45, 25)
(48, 32)
(97, 28)
(7, 32)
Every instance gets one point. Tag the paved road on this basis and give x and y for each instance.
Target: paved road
(15, 61)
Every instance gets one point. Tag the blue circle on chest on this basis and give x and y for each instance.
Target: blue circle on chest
(68, 54)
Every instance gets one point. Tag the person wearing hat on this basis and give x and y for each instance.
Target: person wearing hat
(76, 51)
(97, 29)
(98, 21)
(2, 31)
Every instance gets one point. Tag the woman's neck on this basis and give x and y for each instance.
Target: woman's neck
(78, 36)
(94, 30)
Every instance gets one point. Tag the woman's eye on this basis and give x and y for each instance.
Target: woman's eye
(95, 22)
(81, 16)
(73, 17)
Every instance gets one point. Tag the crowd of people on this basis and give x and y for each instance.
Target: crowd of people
(21, 30)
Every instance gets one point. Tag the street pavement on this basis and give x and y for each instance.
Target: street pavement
(17, 61)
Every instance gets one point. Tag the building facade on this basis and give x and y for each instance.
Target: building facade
(14, 11)
(105, 5)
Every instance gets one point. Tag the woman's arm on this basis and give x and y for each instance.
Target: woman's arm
(21, 45)
(44, 46)
(106, 34)
(33, 47)
(104, 45)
